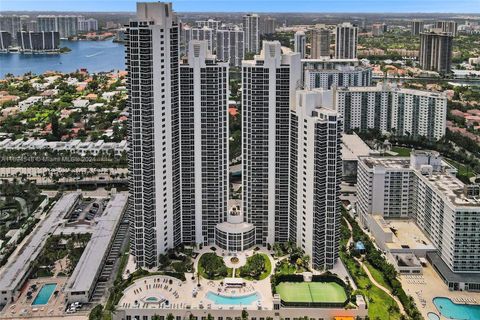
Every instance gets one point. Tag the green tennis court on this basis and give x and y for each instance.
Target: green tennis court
(311, 292)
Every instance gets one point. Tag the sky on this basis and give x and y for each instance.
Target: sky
(393, 6)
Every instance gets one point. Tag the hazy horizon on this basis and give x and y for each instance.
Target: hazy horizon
(464, 7)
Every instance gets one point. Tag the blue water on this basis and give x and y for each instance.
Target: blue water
(240, 300)
(95, 56)
(44, 294)
(433, 316)
(455, 311)
(151, 299)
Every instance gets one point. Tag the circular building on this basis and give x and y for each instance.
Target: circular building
(234, 234)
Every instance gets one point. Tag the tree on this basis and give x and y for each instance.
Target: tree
(96, 313)
(244, 315)
(170, 317)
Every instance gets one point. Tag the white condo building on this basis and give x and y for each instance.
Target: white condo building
(11, 24)
(300, 42)
(425, 189)
(252, 37)
(204, 144)
(203, 33)
(315, 176)
(86, 25)
(152, 51)
(405, 112)
(346, 38)
(268, 83)
(333, 74)
(231, 46)
(67, 26)
(210, 23)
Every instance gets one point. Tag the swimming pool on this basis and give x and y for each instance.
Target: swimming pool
(44, 294)
(455, 311)
(151, 299)
(433, 316)
(233, 300)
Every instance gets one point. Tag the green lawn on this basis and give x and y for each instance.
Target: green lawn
(311, 292)
(402, 152)
(377, 275)
(463, 170)
(286, 268)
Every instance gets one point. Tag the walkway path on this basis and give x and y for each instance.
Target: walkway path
(364, 267)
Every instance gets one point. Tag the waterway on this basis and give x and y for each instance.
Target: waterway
(95, 56)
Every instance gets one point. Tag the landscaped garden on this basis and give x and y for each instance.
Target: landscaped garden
(212, 267)
(380, 304)
(178, 260)
(60, 255)
(258, 267)
(18, 202)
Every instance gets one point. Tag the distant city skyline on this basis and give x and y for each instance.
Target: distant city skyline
(367, 6)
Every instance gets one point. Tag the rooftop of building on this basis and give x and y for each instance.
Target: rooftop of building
(84, 275)
(387, 162)
(442, 179)
(406, 234)
(404, 259)
(353, 147)
(394, 88)
(19, 263)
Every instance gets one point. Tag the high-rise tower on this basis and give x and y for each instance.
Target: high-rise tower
(152, 51)
(436, 51)
(300, 42)
(268, 83)
(320, 46)
(204, 143)
(315, 176)
(252, 38)
(346, 41)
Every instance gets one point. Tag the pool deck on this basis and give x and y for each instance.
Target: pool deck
(181, 294)
(428, 286)
(23, 306)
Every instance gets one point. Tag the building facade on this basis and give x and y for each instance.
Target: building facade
(11, 24)
(204, 144)
(231, 46)
(38, 41)
(269, 25)
(340, 76)
(315, 176)
(346, 38)
(424, 188)
(5, 40)
(447, 26)
(416, 27)
(152, 51)
(320, 43)
(252, 35)
(300, 43)
(403, 112)
(66, 26)
(268, 83)
(436, 51)
(86, 25)
(203, 33)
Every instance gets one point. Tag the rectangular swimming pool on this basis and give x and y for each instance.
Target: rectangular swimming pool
(44, 294)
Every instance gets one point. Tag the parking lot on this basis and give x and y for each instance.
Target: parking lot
(87, 209)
